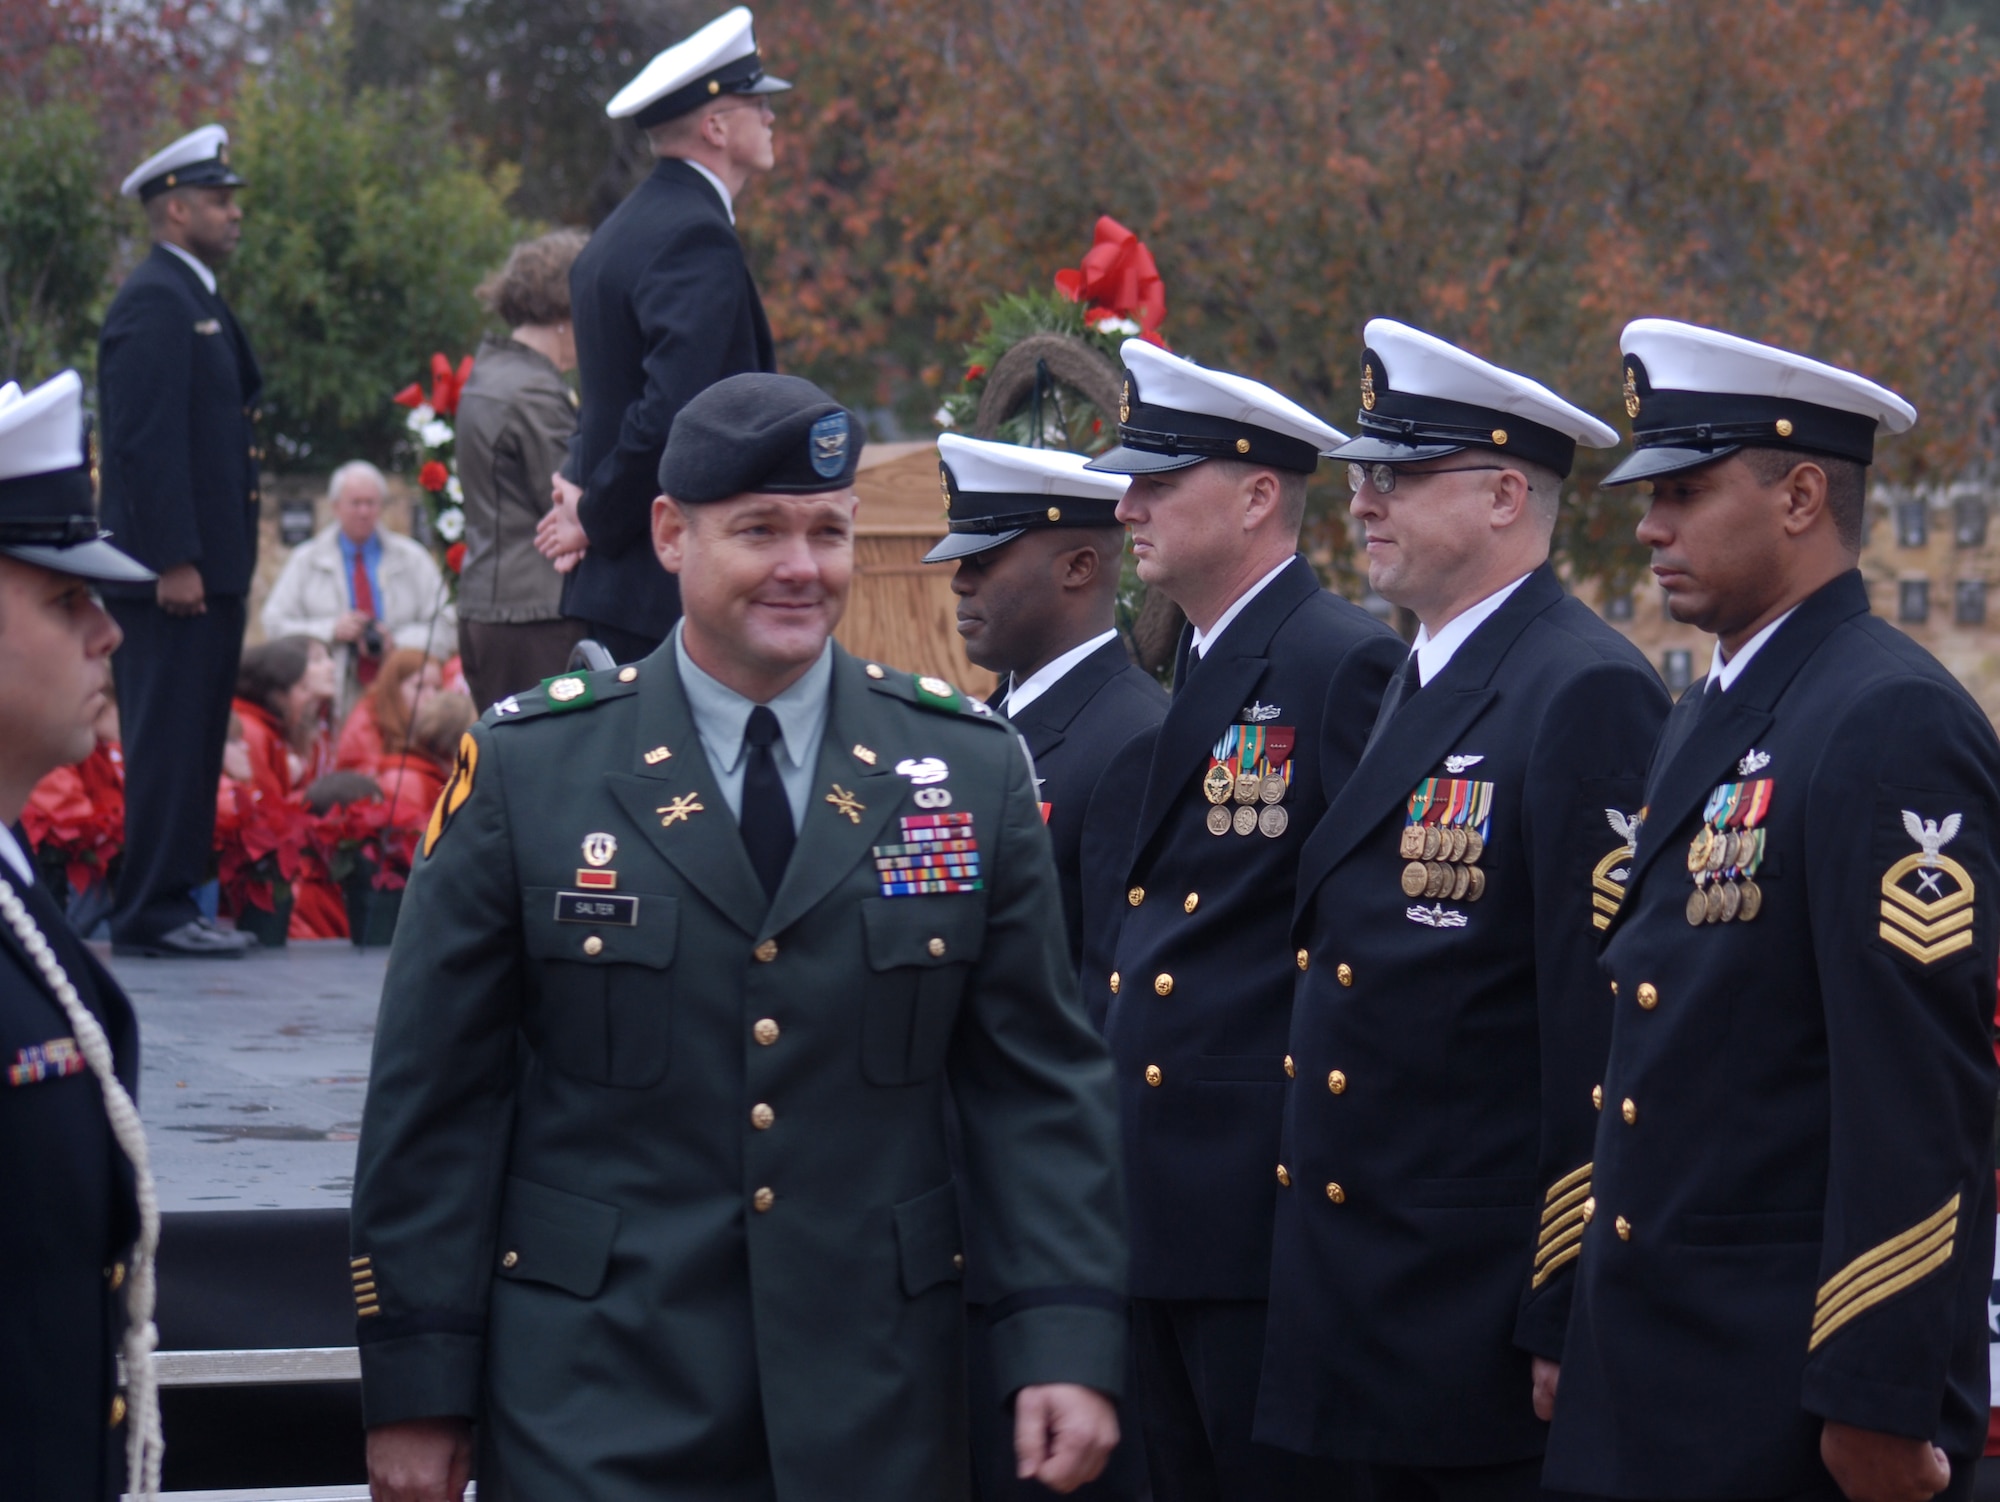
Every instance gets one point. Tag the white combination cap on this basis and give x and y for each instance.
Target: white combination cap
(199, 159)
(47, 512)
(1173, 413)
(993, 492)
(1696, 395)
(1422, 398)
(719, 59)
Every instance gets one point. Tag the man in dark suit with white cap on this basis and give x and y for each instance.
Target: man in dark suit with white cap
(1038, 545)
(177, 394)
(1275, 686)
(664, 307)
(1787, 1253)
(1449, 1020)
(77, 1241)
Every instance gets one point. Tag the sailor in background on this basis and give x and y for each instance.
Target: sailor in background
(1788, 1245)
(1275, 686)
(1038, 546)
(663, 307)
(81, 1222)
(1449, 1021)
(653, 1178)
(177, 396)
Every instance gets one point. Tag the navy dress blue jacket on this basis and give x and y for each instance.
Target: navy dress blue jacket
(1073, 731)
(70, 1216)
(663, 307)
(1793, 1221)
(1443, 1048)
(1199, 997)
(178, 389)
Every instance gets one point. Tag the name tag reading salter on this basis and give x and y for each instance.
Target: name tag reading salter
(596, 907)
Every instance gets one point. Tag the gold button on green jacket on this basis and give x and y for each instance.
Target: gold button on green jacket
(653, 1178)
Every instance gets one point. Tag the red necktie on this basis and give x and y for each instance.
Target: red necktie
(365, 667)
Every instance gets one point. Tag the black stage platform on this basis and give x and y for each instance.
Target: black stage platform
(253, 1074)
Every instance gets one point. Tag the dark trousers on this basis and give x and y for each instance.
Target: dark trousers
(623, 645)
(1200, 1361)
(1513, 1481)
(992, 1435)
(1963, 1486)
(175, 676)
(504, 657)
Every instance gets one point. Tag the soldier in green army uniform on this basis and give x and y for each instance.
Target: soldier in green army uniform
(653, 1199)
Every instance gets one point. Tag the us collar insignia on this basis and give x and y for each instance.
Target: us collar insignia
(1631, 392)
(684, 807)
(1926, 921)
(1367, 388)
(829, 445)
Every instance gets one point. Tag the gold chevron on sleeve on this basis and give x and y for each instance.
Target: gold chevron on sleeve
(1884, 1271)
(1927, 931)
(1561, 1240)
(1607, 888)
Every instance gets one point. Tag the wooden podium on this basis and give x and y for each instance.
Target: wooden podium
(901, 611)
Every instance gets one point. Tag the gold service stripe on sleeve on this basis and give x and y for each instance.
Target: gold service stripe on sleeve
(1559, 1208)
(1568, 1182)
(1556, 1264)
(1946, 1213)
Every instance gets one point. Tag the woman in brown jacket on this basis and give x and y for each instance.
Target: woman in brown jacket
(515, 418)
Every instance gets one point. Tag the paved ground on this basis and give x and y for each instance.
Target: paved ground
(253, 1073)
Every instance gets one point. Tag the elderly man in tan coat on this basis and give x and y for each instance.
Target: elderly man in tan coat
(360, 588)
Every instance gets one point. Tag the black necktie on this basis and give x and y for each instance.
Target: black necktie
(1397, 694)
(767, 813)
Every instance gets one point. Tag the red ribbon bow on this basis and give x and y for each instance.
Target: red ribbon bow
(446, 384)
(1118, 279)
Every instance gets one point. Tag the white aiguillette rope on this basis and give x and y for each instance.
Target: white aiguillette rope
(144, 1443)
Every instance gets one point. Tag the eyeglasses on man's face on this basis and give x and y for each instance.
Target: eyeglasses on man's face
(1382, 477)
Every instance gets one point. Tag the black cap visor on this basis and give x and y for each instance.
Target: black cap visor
(1122, 459)
(96, 560)
(1368, 449)
(955, 545)
(1658, 463)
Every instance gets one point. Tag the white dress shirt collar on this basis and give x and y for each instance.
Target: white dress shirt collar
(1203, 640)
(728, 202)
(1050, 673)
(1725, 672)
(1434, 652)
(207, 276)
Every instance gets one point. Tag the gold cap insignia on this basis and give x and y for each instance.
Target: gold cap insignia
(1784, 426)
(1367, 388)
(944, 488)
(1631, 392)
(1500, 437)
(1125, 401)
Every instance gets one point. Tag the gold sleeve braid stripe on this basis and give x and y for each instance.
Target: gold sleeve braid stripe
(362, 1270)
(1561, 1239)
(1885, 1271)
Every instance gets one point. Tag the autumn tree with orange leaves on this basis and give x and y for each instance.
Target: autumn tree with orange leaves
(1519, 178)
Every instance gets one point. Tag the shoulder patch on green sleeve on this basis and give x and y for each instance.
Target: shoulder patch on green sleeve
(564, 692)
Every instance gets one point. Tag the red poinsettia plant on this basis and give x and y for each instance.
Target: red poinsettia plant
(75, 817)
(263, 847)
(359, 835)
